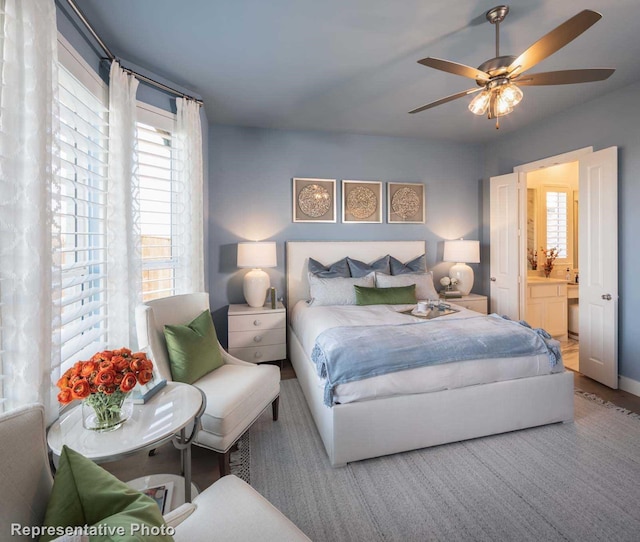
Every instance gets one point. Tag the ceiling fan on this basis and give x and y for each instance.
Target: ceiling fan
(499, 78)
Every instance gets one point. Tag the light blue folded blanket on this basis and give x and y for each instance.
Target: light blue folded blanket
(347, 354)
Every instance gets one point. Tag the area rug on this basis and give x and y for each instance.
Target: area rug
(576, 481)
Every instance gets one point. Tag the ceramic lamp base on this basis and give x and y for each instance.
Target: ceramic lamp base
(255, 286)
(464, 274)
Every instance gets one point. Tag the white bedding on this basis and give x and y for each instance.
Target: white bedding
(308, 322)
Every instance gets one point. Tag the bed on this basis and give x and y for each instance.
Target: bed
(387, 424)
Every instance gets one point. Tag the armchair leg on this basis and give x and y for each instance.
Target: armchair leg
(224, 463)
(274, 408)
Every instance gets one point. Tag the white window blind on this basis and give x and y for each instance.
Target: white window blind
(557, 222)
(158, 194)
(81, 293)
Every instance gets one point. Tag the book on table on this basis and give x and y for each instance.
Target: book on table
(162, 495)
(141, 394)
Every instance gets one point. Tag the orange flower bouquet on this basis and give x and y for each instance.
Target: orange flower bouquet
(103, 384)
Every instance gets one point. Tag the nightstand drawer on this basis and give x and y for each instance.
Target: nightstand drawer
(258, 354)
(258, 337)
(478, 305)
(247, 322)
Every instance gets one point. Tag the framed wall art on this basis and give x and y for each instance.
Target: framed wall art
(405, 203)
(361, 202)
(314, 200)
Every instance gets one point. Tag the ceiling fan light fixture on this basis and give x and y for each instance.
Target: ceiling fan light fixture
(498, 95)
(480, 103)
(511, 94)
(500, 108)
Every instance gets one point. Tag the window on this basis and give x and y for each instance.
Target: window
(158, 197)
(557, 222)
(80, 216)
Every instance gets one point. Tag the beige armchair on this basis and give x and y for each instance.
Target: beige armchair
(228, 511)
(237, 392)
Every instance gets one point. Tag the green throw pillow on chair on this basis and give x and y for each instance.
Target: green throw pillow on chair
(395, 295)
(86, 494)
(193, 349)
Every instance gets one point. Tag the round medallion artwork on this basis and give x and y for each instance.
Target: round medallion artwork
(314, 200)
(405, 203)
(361, 202)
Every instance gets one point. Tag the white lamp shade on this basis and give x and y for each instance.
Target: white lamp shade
(462, 252)
(257, 255)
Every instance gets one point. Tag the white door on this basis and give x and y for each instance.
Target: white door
(504, 259)
(598, 266)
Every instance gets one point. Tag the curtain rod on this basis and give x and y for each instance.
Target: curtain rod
(111, 57)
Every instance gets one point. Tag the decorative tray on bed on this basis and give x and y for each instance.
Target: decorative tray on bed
(438, 310)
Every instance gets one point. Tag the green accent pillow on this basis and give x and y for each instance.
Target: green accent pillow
(193, 349)
(86, 494)
(396, 295)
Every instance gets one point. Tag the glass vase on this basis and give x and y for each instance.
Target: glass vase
(102, 412)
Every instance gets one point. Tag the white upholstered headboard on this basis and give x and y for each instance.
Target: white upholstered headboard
(326, 252)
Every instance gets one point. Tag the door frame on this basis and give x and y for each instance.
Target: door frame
(605, 162)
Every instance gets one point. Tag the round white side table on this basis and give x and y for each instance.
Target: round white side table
(165, 417)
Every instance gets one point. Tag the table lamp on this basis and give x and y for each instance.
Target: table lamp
(462, 252)
(256, 282)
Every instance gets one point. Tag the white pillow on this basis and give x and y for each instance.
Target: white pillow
(336, 291)
(423, 281)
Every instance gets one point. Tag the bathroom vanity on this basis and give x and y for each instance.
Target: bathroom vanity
(547, 305)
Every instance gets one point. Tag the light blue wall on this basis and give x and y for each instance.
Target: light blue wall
(613, 120)
(251, 172)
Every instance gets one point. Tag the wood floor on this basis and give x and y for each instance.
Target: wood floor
(570, 353)
(205, 462)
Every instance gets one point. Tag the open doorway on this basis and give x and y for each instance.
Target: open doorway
(552, 298)
(597, 257)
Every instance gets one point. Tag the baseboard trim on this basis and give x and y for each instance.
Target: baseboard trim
(629, 385)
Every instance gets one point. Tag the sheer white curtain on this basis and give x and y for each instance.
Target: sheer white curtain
(190, 175)
(124, 265)
(27, 198)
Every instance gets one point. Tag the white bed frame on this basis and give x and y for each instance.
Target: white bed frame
(377, 427)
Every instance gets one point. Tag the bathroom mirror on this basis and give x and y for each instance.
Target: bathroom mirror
(531, 221)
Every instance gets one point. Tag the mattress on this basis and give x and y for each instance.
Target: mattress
(307, 322)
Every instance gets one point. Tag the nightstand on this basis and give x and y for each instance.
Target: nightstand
(474, 302)
(257, 334)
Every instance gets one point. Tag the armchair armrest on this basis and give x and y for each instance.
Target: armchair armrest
(231, 360)
(177, 516)
(233, 511)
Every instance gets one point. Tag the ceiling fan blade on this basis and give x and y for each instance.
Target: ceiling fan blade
(447, 99)
(565, 77)
(554, 40)
(455, 68)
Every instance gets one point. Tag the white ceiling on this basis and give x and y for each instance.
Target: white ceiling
(351, 65)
